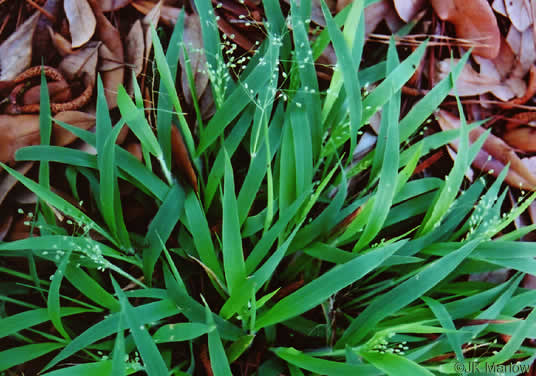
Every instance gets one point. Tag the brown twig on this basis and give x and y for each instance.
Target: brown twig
(42, 11)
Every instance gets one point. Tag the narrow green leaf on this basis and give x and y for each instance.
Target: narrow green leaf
(325, 286)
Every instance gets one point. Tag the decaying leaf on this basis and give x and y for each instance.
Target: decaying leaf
(135, 47)
(474, 20)
(377, 12)
(83, 120)
(193, 42)
(501, 76)
(182, 158)
(16, 51)
(82, 21)
(8, 181)
(111, 50)
(112, 5)
(494, 155)
(17, 131)
(168, 14)
(150, 19)
(522, 45)
(62, 45)
(82, 61)
(5, 226)
(519, 12)
(408, 9)
(59, 91)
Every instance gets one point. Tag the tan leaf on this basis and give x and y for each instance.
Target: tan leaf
(470, 82)
(519, 12)
(112, 5)
(82, 21)
(408, 9)
(474, 20)
(5, 226)
(522, 45)
(59, 91)
(193, 41)
(135, 47)
(494, 155)
(500, 76)
(8, 181)
(150, 19)
(17, 131)
(498, 6)
(110, 38)
(168, 14)
(16, 51)
(83, 60)
(182, 158)
(61, 136)
(62, 45)
(379, 11)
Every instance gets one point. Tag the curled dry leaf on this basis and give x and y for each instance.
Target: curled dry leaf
(82, 61)
(5, 226)
(494, 155)
(82, 21)
(474, 20)
(522, 45)
(193, 42)
(519, 12)
(377, 12)
(17, 131)
(150, 19)
(168, 14)
(500, 76)
(83, 120)
(59, 91)
(16, 51)
(111, 50)
(8, 181)
(112, 5)
(62, 45)
(408, 9)
(182, 158)
(135, 47)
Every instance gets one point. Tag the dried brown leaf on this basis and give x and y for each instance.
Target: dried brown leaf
(82, 22)
(519, 12)
(135, 47)
(59, 91)
(182, 158)
(494, 155)
(62, 45)
(5, 226)
(83, 120)
(377, 12)
(168, 14)
(110, 38)
(193, 42)
(495, 76)
(522, 45)
(82, 61)
(17, 131)
(112, 5)
(16, 51)
(474, 20)
(9, 181)
(408, 9)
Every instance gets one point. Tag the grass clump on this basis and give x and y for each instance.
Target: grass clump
(307, 274)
